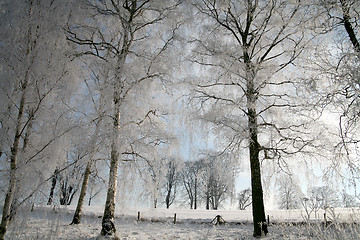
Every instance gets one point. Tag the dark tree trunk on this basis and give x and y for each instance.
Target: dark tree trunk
(348, 26)
(67, 193)
(207, 201)
(167, 201)
(258, 209)
(53, 185)
(195, 194)
(78, 211)
(155, 202)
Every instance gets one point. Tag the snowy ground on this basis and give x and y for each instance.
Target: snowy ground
(50, 223)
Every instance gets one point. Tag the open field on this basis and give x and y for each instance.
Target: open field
(53, 223)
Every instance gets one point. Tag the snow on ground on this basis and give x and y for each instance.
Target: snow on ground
(53, 223)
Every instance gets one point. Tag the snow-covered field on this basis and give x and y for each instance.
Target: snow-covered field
(53, 223)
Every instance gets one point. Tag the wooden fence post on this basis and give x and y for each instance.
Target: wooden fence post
(174, 218)
(138, 218)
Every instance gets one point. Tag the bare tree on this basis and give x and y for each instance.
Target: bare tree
(289, 194)
(53, 185)
(310, 205)
(191, 178)
(325, 196)
(244, 198)
(259, 40)
(69, 179)
(219, 178)
(171, 182)
(319, 198)
(348, 200)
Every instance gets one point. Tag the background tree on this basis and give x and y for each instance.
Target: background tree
(69, 179)
(54, 180)
(289, 193)
(171, 182)
(348, 200)
(218, 179)
(325, 197)
(319, 198)
(244, 198)
(191, 178)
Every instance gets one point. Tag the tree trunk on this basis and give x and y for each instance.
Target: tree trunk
(155, 202)
(195, 194)
(108, 223)
(13, 163)
(53, 185)
(85, 183)
(207, 201)
(9, 194)
(348, 26)
(167, 200)
(258, 210)
(78, 211)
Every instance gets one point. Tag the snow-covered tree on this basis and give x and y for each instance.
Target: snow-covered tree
(243, 85)
(348, 200)
(325, 196)
(118, 32)
(34, 81)
(97, 89)
(289, 193)
(191, 176)
(334, 77)
(218, 179)
(172, 180)
(244, 198)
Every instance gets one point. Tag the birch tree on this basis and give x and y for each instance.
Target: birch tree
(96, 92)
(30, 49)
(245, 79)
(28, 89)
(118, 33)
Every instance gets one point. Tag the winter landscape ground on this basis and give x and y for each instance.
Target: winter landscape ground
(53, 223)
